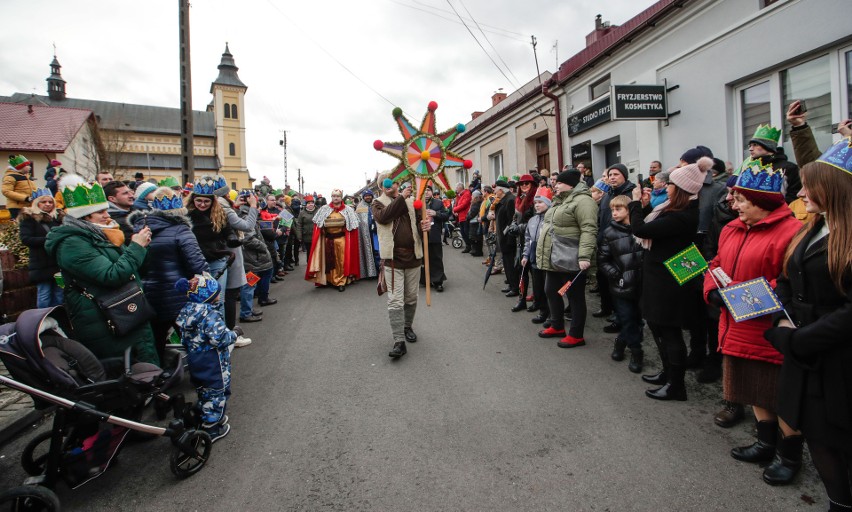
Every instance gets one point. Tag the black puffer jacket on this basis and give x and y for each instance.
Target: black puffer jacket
(504, 215)
(172, 254)
(256, 257)
(213, 244)
(34, 226)
(620, 258)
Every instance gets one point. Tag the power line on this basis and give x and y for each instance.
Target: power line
(480, 44)
(433, 10)
(489, 42)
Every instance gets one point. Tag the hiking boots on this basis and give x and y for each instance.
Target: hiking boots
(762, 450)
(636, 358)
(398, 350)
(618, 350)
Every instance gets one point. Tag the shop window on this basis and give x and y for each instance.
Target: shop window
(755, 111)
(232, 149)
(599, 88)
(227, 111)
(495, 162)
(809, 82)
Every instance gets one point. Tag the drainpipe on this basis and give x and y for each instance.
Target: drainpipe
(545, 90)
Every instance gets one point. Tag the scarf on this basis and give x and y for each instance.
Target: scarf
(112, 232)
(524, 202)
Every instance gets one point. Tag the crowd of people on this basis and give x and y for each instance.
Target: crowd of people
(550, 234)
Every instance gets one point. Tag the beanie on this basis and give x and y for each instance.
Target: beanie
(718, 166)
(768, 201)
(732, 181)
(144, 189)
(691, 155)
(570, 177)
(18, 162)
(691, 177)
(620, 168)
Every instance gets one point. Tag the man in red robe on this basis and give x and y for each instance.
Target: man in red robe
(334, 257)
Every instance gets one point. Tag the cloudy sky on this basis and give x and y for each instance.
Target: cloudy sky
(329, 72)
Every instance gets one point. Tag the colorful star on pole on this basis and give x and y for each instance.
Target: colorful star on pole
(423, 155)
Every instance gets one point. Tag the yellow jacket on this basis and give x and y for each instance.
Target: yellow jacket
(18, 188)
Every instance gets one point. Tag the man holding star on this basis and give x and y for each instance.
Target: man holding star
(400, 229)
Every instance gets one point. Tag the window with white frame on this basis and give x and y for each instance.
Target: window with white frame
(599, 88)
(808, 82)
(495, 163)
(848, 59)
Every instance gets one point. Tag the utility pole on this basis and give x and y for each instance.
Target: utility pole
(555, 49)
(187, 143)
(283, 144)
(300, 182)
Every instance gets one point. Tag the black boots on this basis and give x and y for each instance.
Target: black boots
(618, 349)
(762, 450)
(662, 377)
(520, 306)
(409, 336)
(398, 350)
(787, 462)
(675, 389)
(636, 358)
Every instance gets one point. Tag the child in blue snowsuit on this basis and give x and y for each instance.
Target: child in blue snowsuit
(207, 341)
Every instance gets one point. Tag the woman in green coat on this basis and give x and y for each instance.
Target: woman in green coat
(89, 249)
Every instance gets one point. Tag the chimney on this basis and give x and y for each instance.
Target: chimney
(29, 109)
(602, 28)
(497, 97)
(476, 114)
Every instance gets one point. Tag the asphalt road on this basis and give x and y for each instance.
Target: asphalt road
(480, 415)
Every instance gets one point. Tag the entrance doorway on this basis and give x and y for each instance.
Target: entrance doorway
(612, 153)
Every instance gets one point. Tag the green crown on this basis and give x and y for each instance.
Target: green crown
(169, 181)
(83, 195)
(766, 132)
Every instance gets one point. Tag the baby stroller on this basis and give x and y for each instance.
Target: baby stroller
(99, 404)
(455, 235)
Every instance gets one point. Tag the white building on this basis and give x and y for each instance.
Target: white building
(728, 65)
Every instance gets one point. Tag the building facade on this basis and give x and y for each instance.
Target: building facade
(728, 65)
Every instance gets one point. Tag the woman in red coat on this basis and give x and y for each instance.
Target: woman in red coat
(753, 246)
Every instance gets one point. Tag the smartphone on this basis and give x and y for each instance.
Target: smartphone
(801, 109)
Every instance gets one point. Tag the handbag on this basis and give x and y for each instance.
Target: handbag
(565, 253)
(124, 308)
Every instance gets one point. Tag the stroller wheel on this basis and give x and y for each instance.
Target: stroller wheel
(30, 498)
(190, 453)
(457, 243)
(34, 456)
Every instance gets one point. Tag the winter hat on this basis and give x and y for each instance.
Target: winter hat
(544, 195)
(18, 162)
(81, 199)
(144, 189)
(732, 181)
(502, 184)
(620, 168)
(766, 136)
(200, 289)
(691, 177)
(762, 185)
(603, 186)
(718, 166)
(526, 178)
(764, 201)
(692, 155)
(55, 163)
(366, 193)
(570, 177)
(309, 199)
(165, 198)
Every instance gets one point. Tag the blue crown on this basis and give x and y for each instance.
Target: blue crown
(761, 178)
(839, 155)
(41, 192)
(167, 202)
(201, 288)
(208, 184)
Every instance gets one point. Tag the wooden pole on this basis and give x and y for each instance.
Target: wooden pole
(426, 257)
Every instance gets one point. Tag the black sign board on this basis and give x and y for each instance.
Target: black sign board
(582, 152)
(591, 116)
(638, 102)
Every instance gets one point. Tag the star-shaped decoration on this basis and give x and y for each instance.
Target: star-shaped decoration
(424, 154)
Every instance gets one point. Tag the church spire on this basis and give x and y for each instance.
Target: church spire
(228, 72)
(55, 83)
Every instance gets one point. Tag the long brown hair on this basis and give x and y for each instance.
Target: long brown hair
(217, 214)
(679, 201)
(830, 189)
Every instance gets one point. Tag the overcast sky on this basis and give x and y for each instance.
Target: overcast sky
(294, 57)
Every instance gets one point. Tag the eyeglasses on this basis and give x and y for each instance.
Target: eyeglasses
(201, 200)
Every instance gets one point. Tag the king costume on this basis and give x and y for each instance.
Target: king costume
(368, 237)
(334, 251)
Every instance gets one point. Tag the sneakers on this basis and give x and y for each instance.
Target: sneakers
(550, 332)
(242, 341)
(398, 350)
(223, 420)
(217, 431)
(570, 342)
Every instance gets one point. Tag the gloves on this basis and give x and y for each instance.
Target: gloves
(715, 298)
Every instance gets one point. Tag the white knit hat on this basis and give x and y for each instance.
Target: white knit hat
(691, 177)
(144, 189)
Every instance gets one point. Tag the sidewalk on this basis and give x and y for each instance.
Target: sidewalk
(16, 410)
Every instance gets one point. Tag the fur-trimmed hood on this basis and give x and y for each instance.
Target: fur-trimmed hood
(39, 216)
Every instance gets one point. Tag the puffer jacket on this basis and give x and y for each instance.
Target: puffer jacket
(574, 214)
(620, 258)
(304, 225)
(531, 238)
(18, 188)
(256, 257)
(88, 260)
(745, 254)
(242, 226)
(213, 243)
(462, 205)
(605, 212)
(34, 227)
(172, 254)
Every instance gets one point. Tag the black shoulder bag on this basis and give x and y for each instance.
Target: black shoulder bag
(124, 308)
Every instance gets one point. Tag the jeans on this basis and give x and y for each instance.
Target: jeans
(262, 289)
(217, 266)
(49, 294)
(629, 317)
(576, 294)
(246, 300)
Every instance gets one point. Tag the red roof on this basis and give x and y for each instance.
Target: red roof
(619, 35)
(39, 127)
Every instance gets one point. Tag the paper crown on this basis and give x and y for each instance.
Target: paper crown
(207, 185)
(767, 136)
(169, 181)
(761, 178)
(18, 162)
(201, 288)
(82, 200)
(167, 202)
(839, 155)
(41, 192)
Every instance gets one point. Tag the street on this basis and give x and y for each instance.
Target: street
(480, 414)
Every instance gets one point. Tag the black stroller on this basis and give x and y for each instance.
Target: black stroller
(99, 404)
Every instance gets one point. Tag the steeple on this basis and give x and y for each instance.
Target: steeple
(55, 83)
(228, 72)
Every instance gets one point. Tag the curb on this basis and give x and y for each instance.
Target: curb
(20, 421)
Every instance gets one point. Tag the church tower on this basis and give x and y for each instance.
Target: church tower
(229, 108)
(55, 83)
